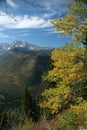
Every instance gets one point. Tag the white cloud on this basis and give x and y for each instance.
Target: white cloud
(49, 15)
(11, 3)
(25, 21)
(53, 30)
(59, 32)
(2, 35)
(32, 22)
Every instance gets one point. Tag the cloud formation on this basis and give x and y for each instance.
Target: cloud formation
(52, 30)
(21, 22)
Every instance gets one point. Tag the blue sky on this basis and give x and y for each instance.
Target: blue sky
(32, 24)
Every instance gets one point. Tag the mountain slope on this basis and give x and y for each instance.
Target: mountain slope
(20, 69)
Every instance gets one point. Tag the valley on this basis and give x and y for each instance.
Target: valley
(21, 68)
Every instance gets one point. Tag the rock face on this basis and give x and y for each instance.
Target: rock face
(27, 46)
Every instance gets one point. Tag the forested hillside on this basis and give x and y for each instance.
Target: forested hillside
(19, 70)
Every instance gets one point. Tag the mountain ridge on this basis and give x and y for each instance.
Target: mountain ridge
(21, 45)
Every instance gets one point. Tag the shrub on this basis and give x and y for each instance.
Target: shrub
(69, 121)
(27, 125)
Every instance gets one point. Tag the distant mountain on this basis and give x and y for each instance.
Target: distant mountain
(27, 46)
(21, 46)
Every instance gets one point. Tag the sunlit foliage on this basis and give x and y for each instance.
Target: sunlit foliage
(75, 22)
(68, 73)
(56, 99)
(67, 66)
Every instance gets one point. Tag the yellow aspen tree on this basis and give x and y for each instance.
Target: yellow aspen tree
(66, 73)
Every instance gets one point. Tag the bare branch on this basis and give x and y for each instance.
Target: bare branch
(33, 3)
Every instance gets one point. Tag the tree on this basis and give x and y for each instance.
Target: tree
(68, 74)
(29, 106)
(56, 99)
(69, 71)
(84, 1)
(75, 22)
(27, 103)
(67, 65)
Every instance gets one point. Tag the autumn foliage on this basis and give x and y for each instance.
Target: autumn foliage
(68, 72)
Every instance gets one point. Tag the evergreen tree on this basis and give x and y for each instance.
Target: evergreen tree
(27, 103)
(29, 106)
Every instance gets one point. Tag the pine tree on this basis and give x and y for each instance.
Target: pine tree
(29, 106)
(27, 103)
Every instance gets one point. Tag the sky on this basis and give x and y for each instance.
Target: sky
(22, 21)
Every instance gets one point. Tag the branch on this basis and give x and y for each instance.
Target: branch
(27, 2)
